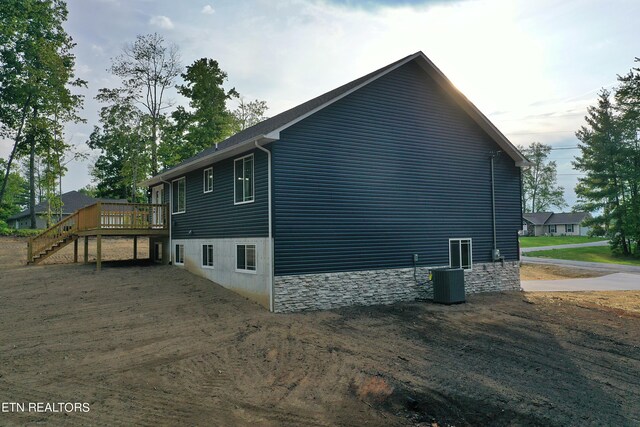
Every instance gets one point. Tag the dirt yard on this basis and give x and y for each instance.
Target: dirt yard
(555, 272)
(155, 345)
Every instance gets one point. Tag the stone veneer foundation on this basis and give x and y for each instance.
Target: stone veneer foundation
(331, 290)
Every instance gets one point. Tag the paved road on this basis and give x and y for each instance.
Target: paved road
(572, 245)
(600, 266)
(611, 282)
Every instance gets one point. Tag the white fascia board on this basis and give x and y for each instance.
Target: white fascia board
(214, 157)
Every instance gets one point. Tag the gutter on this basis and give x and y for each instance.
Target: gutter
(201, 161)
(170, 217)
(271, 269)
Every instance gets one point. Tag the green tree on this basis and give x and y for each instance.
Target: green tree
(602, 159)
(148, 68)
(540, 190)
(248, 114)
(123, 141)
(207, 122)
(627, 97)
(16, 194)
(36, 75)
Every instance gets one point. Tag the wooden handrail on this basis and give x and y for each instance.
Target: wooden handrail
(53, 234)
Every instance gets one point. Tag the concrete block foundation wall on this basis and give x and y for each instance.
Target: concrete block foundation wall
(331, 290)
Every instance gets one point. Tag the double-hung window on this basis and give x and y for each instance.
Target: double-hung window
(207, 256)
(569, 228)
(243, 179)
(246, 258)
(207, 178)
(179, 195)
(552, 229)
(460, 253)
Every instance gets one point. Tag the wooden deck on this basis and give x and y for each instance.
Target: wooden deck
(100, 219)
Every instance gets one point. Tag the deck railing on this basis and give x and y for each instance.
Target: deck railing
(103, 216)
(52, 235)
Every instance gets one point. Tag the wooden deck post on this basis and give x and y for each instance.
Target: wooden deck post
(135, 248)
(75, 250)
(98, 252)
(86, 249)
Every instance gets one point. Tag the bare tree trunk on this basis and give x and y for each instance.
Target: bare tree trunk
(32, 181)
(31, 139)
(15, 147)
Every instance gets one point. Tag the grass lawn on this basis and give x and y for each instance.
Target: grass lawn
(589, 254)
(532, 242)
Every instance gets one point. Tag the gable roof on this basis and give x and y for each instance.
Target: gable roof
(71, 202)
(550, 218)
(537, 218)
(269, 129)
(567, 218)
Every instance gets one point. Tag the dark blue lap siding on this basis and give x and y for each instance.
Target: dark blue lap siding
(214, 215)
(393, 169)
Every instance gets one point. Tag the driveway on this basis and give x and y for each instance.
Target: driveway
(572, 245)
(611, 282)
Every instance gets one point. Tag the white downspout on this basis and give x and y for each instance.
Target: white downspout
(270, 225)
(170, 219)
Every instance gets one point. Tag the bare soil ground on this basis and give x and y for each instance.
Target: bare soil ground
(155, 345)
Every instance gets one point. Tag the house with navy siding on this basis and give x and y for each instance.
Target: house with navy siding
(351, 197)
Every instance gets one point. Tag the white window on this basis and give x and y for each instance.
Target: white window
(246, 258)
(460, 253)
(179, 255)
(207, 256)
(569, 228)
(243, 179)
(207, 180)
(552, 229)
(179, 195)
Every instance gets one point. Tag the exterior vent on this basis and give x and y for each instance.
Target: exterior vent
(448, 286)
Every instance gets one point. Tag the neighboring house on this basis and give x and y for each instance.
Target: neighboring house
(333, 202)
(71, 202)
(555, 224)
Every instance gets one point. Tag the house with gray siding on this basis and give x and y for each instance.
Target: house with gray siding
(351, 197)
(556, 224)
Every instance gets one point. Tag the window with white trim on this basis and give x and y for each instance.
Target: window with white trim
(246, 258)
(552, 229)
(243, 179)
(207, 256)
(179, 195)
(569, 228)
(460, 253)
(179, 255)
(207, 178)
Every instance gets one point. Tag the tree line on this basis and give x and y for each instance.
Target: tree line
(140, 130)
(610, 160)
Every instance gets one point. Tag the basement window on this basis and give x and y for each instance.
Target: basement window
(179, 255)
(246, 258)
(460, 253)
(207, 256)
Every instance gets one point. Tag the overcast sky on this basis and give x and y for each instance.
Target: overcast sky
(531, 66)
